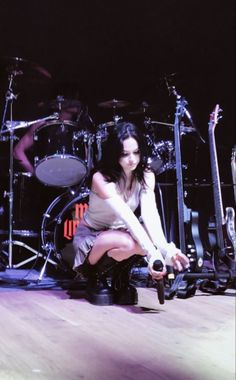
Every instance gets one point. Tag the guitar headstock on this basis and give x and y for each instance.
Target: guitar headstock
(215, 116)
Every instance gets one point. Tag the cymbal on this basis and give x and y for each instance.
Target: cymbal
(144, 109)
(64, 103)
(114, 103)
(21, 67)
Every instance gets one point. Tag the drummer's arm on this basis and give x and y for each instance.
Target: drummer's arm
(20, 149)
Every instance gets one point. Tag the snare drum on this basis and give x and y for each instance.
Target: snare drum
(61, 154)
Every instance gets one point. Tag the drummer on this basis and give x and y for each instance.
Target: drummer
(68, 109)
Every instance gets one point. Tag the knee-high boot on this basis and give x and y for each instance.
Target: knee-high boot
(124, 292)
(98, 290)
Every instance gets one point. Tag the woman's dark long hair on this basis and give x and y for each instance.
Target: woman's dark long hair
(112, 150)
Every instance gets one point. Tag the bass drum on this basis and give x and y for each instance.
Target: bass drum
(60, 222)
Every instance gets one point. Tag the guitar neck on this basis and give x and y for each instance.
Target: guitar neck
(218, 205)
(180, 196)
(233, 169)
(216, 182)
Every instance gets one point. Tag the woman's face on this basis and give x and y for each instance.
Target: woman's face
(130, 156)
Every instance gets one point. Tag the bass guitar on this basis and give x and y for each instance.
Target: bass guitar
(226, 251)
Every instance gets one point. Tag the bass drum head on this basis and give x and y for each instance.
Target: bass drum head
(61, 226)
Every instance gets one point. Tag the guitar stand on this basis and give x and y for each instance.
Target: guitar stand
(185, 284)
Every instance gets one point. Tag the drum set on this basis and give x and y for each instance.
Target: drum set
(64, 155)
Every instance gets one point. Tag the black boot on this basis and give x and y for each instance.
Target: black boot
(99, 292)
(124, 292)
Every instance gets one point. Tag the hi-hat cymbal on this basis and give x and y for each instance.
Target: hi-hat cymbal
(19, 67)
(114, 103)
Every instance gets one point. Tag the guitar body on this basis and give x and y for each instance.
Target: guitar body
(195, 250)
(230, 229)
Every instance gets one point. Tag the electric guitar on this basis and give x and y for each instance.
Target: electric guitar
(189, 235)
(230, 213)
(225, 242)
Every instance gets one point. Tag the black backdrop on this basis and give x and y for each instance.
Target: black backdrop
(124, 49)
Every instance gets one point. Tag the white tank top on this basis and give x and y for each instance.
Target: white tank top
(100, 216)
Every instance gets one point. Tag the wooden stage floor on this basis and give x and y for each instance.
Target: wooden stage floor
(47, 335)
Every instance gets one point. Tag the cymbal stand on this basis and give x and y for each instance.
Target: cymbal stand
(116, 118)
(10, 97)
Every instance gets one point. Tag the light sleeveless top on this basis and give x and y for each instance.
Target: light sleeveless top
(100, 216)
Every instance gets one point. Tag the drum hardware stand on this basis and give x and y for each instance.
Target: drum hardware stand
(10, 128)
(20, 244)
(49, 248)
(116, 118)
(10, 97)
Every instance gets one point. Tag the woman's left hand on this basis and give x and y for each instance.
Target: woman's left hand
(180, 261)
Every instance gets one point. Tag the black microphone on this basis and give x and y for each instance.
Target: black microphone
(158, 266)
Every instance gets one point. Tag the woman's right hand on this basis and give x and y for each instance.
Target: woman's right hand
(156, 274)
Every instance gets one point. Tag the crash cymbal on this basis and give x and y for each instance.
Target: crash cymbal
(114, 103)
(19, 67)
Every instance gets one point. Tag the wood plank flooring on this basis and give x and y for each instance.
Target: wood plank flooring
(46, 335)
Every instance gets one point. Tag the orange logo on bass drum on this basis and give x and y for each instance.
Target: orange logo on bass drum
(71, 224)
